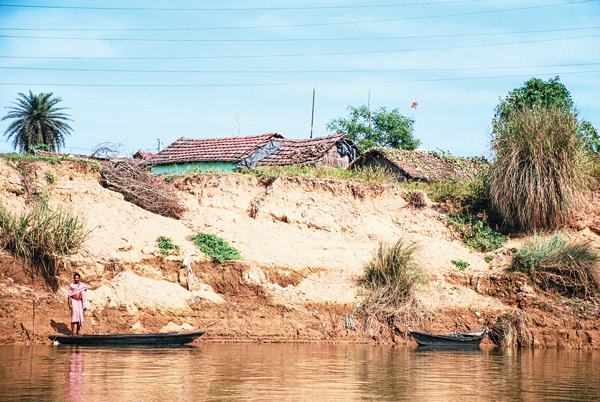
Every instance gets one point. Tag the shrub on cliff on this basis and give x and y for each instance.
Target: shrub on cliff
(539, 174)
(390, 278)
(42, 235)
(476, 233)
(571, 268)
(166, 246)
(215, 247)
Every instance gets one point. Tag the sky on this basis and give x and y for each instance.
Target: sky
(135, 72)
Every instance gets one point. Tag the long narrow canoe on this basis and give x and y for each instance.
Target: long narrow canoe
(156, 339)
(472, 338)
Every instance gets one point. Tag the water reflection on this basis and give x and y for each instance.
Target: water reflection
(75, 374)
(295, 372)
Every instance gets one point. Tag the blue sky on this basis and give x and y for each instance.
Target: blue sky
(132, 72)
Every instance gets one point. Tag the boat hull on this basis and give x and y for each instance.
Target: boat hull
(467, 339)
(156, 339)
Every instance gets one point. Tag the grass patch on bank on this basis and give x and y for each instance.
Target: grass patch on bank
(52, 159)
(166, 246)
(42, 235)
(470, 196)
(553, 263)
(460, 264)
(390, 278)
(364, 175)
(215, 247)
(476, 233)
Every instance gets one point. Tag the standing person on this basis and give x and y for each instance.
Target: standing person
(77, 303)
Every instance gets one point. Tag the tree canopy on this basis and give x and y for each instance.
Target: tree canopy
(551, 94)
(386, 128)
(37, 120)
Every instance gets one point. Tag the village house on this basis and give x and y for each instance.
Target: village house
(230, 153)
(420, 165)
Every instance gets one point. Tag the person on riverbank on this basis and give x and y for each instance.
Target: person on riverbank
(77, 303)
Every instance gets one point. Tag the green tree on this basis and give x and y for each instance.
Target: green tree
(386, 129)
(37, 120)
(546, 94)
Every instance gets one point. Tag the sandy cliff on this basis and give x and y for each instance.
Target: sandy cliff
(303, 241)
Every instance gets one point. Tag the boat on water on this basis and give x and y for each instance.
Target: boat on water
(460, 339)
(156, 339)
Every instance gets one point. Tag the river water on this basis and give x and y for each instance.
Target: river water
(295, 372)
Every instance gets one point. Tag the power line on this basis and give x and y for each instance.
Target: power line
(391, 70)
(254, 56)
(242, 9)
(289, 84)
(395, 19)
(304, 39)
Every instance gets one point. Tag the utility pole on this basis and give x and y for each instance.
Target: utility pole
(159, 146)
(312, 119)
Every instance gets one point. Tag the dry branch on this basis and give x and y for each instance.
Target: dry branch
(141, 188)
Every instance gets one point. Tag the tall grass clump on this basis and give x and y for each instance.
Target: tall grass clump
(390, 278)
(215, 248)
(42, 235)
(539, 174)
(570, 268)
(510, 330)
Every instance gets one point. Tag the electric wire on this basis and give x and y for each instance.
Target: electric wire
(304, 39)
(344, 53)
(337, 23)
(388, 70)
(243, 9)
(291, 84)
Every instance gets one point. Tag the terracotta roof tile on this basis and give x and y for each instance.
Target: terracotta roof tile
(300, 152)
(143, 155)
(229, 149)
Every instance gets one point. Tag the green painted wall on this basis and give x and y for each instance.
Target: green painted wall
(186, 167)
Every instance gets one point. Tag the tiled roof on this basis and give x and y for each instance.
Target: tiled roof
(229, 149)
(143, 155)
(429, 166)
(300, 152)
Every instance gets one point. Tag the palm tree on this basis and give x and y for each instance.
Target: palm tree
(37, 120)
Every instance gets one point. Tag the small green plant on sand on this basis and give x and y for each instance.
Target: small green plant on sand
(476, 233)
(50, 178)
(460, 264)
(553, 263)
(488, 258)
(166, 246)
(215, 247)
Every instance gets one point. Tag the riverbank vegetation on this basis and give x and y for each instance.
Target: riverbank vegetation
(540, 171)
(556, 264)
(390, 278)
(166, 246)
(214, 247)
(510, 330)
(42, 236)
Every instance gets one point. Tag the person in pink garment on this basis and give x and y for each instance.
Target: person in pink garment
(77, 303)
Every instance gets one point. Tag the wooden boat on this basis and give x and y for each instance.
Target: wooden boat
(470, 339)
(156, 339)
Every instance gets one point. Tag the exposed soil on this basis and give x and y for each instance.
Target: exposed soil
(304, 242)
